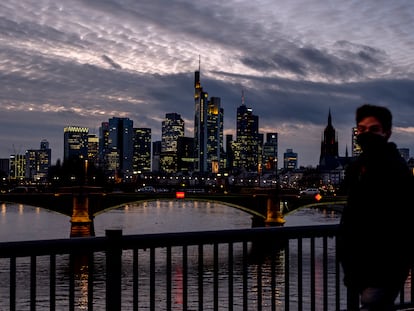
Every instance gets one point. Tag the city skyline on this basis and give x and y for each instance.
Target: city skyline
(79, 63)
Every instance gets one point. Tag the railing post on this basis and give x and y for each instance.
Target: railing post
(113, 270)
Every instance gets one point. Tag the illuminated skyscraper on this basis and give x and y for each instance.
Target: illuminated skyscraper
(208, 130)
(120, 140)
(75, 143)
(17, 166)
(200, 125)
(172, 128)
(142, 150)
(270, 148)
(38, 162)
(356, 149)
(246, 148)
(215, 150)
(229, 152)
(93, 149)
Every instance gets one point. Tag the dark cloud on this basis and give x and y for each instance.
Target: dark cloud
(83, 62)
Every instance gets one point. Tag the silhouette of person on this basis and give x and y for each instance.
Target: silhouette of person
(375, 223)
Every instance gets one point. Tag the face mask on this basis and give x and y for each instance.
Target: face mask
(370, 142)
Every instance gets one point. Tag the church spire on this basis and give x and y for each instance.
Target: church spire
(329, 118)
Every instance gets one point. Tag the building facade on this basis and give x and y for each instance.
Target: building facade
(246, 148)
(142, 150)
(38, 162)
(270, 153)
(172, 129)
(75, 143)
(290, 160)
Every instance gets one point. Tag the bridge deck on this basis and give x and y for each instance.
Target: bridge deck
(254, 203)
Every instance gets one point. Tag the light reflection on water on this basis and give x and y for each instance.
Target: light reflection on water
(18, 222)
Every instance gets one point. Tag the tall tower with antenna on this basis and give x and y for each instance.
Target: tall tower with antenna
(200, 123)
(208, 130)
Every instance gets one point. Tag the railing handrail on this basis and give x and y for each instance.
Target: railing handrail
(114, 242)
(95, 244)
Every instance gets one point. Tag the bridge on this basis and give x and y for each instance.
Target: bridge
(83, 203)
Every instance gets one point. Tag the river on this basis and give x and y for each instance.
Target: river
(19, 223)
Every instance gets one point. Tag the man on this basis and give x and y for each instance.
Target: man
(375, 223)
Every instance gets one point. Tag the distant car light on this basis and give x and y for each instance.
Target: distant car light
(180, 195)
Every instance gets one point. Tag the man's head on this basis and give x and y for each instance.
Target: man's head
(374, 119)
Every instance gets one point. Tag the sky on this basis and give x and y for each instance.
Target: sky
(80, 63)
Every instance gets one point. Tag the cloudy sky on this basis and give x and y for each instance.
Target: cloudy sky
(74, 62)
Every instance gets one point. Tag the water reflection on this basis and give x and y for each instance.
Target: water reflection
(25, 223)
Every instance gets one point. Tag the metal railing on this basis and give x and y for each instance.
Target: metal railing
(275, 268)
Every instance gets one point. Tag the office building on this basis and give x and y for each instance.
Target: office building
(356, 149)
(156, 155)
(208, 130)
(172, 129)
(93, 149)
(246, 147)
(290, 160)
(270, 149)
(142, 150)
(75, 143)
(215, 151)
(229, 153)
(103, 145)
(120, 141)
(4, 167)
(38, 162)
(18, 167)
(185, 154)
(200, 125)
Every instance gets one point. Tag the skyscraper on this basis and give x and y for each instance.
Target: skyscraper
(120, 140)
(93, 149)
(270, 152)
(356, 149)
(246, 148)
(208, 130)
(75, 143)
(38, 162)
(185, 154)
(229, 152)
(215, 150)
(17, 166)
(172, 128)
(200, 125)
(142, 150)
(156, 155)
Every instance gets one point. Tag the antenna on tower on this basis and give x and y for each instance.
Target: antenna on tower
(199, 62)
(242, 97)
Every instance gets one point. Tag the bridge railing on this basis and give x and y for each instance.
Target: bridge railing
(275, 268)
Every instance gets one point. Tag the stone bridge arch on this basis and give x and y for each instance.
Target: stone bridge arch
(82, 204)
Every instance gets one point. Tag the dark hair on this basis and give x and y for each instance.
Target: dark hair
(383, 115)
